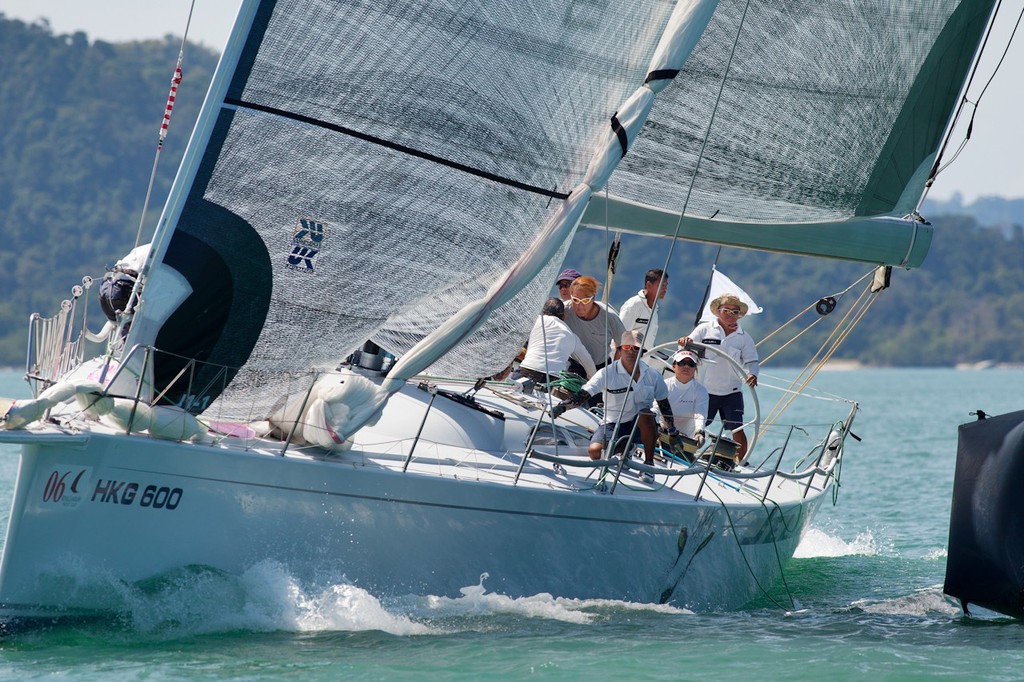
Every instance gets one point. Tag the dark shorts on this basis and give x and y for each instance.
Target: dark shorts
(729, 407)
(604, 433)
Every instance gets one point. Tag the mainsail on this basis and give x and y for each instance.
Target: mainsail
(365, 170)
(796, 126)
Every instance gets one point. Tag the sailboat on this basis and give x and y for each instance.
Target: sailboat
(371, 209)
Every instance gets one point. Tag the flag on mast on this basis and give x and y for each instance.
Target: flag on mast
(720, 284)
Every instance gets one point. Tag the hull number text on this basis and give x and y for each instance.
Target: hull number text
(127, 493)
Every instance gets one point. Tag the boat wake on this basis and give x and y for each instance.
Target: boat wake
(476, 601)
(927, 601)
(818, 543)
(198, 600)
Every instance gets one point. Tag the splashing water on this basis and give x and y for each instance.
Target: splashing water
(817, 543)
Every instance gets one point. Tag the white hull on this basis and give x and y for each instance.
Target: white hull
(133, 507)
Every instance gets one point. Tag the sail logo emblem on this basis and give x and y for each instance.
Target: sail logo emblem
(307, 238)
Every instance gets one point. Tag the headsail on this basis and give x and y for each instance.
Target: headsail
(366, 171)
(819, 117)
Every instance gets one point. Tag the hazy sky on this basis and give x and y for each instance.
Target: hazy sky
(990, 165)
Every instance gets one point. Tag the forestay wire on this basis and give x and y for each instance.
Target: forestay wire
(165, 124)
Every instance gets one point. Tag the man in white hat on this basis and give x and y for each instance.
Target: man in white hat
(629, 386)
(723, 384)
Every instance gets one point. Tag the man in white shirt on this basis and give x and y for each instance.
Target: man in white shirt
(551, 345)
(723, 384)
(629, 386)
(639, 313)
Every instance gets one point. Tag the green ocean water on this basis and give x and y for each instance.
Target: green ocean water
(861, 600)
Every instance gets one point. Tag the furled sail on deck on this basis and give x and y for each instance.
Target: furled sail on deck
(819, 116)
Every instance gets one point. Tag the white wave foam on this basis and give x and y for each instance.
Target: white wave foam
(268, 598)
(264, 598)
(924, 602)
(817, 543)
(475, 600)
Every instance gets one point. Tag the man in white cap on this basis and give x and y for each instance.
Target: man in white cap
(629, 386)
(687, 396)
(723, 384)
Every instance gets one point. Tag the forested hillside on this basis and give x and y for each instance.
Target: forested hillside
(79, 124)
(78, 129)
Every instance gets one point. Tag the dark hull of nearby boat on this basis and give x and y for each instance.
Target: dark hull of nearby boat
(986, 530)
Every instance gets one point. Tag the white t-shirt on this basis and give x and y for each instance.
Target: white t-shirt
(689, 403)
(550, 345)
(719, 377)
(636, 314)
(623, 398)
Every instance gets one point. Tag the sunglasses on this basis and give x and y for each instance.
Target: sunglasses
(582, 301)
(731, 311)
(629, 349)
(687, 363)
(564, 285)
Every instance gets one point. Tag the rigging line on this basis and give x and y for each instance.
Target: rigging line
(792, 340)
(838, 294)
(956, 154)
(404, 149)
(820, 357)
(813, 372)
(995, 70)
(700, 157)
(608, 341)
(977, 103)
(696, 168)
(814, 363)
(165, 122)
(959, 110)
(750, 570)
